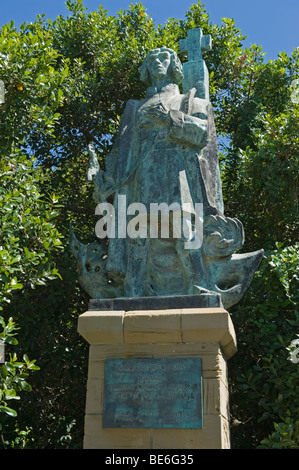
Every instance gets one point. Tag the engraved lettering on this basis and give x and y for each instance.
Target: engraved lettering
(161, 393)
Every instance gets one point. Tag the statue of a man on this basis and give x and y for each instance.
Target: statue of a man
(166, 155)
(159, 134)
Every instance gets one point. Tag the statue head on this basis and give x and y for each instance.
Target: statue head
(159, 62)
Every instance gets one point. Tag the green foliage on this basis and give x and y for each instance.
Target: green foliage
(13, 381)
(29, 236)
(28, 232)
(286, 436)
(33, 84)
(66, 84)
(267, 322)
(27, 240)
(265, 200)
(13, 373)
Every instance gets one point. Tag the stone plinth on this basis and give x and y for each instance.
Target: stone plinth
(205, 333)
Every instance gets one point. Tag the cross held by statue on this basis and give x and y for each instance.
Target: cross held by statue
(195, 43)
(196, 75)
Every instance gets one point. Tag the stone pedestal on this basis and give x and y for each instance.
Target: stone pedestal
(205, 333)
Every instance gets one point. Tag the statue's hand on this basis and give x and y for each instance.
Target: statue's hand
(102, 185)
(158, 113)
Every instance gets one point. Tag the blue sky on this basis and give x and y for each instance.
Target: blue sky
(272, 23)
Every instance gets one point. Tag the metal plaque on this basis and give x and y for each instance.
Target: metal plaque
(153, 393)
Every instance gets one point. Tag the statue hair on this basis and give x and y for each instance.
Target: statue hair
(175, 70)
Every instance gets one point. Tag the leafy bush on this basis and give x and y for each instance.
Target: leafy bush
(266, 321)
(13, 381)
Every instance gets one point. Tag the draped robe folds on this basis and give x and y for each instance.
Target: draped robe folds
(152, 162)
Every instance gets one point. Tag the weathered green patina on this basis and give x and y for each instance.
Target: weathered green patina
(165, 160)
(153, 393)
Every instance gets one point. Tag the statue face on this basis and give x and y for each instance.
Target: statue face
(157, 64)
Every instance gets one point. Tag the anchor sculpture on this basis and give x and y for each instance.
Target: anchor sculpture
(164, 165)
